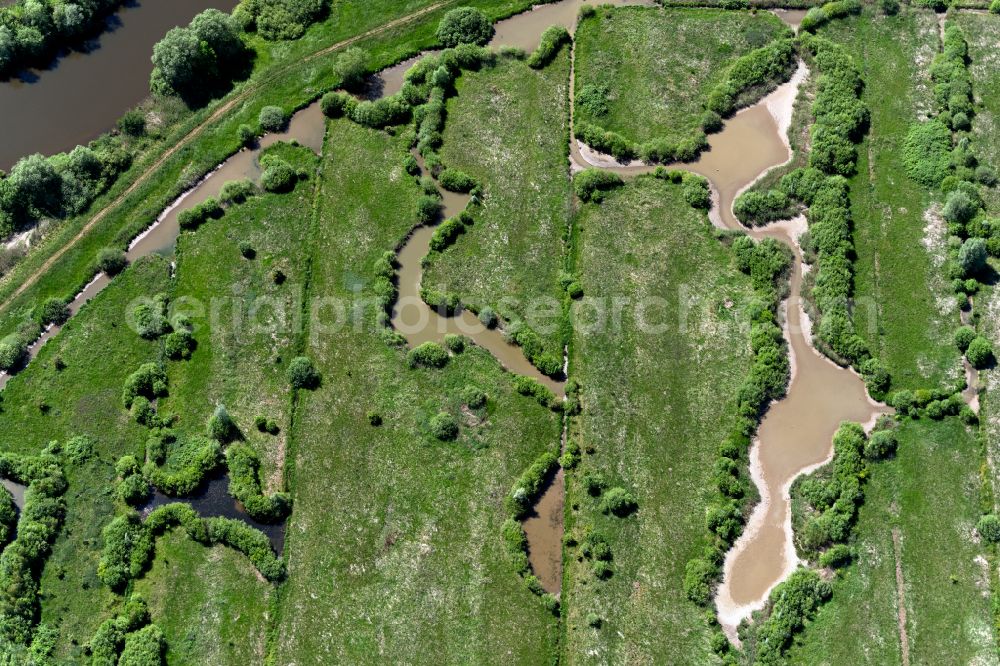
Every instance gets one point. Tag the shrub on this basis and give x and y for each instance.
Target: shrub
(149, 381)
(964, 337)
(133, 490)
(428, 209)
(179, 345)
(351, 67)
(246, 135)
(251, 542)
(381, 112)
(699, 575)
(446, 233)
(144, 647)
(697, 193)
(530, 485)
(591, 184)
(278, 176)
(552, 39)
(881, 444)
(464, 25)
(428, 355)
(836, 556)
(972, 256)
(443, 426)
(979, 352)
(12, 352)
(889, 7)
(593, 98)
(619, 502)
(795, 602)
(132, 123)
(529, 386)
(488, 318)
(198, 457)
(454, 343)
(473, 397)
(764, 66)
(989, 528)
(53, 311)
(986, 175)
(237, 191)
(149, 321)
(959, 208)
(272, 119)
(454, 180)
(337, 104)
(926, 152)
(302, 374)
(111, 261)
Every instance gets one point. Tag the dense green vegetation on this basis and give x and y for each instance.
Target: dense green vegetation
(645, 240)
(262, 347)
(651, 83)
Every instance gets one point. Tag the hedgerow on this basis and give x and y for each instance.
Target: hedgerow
(552, 40)
(244, 486)
(109, 639)
(792, 604)
(23, 559)
(199, 457)
(591, 184)
(818, 16)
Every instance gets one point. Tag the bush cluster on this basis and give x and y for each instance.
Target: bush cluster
(192, 218)
(244, 486)
(279, 19)
(278, 175)
(22, 561)
(753, 74)
(552, 40)
(200, 60)
(841, 116)
(794, 603)
(464, 25)
(591, 184)
(529, 486)
(454, 180)
(443, 426)
(59, 186)
(109, 639)
(199, 457)
(531, 345)
(149, 381)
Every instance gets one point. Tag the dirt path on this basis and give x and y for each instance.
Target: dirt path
(904, 641)
(198, 129)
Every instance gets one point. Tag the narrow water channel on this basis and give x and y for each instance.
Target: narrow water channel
(84, 91)
(796, 433)
(307, 127)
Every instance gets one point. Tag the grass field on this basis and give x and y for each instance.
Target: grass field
(221, 620)
(394, 546)
(507, 128)
(240, 360)
(905, 308)
(83, 399)
(658, 65)
(656, 405)
(930, 495)
(982, 31)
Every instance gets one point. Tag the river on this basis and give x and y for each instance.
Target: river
(83, 92)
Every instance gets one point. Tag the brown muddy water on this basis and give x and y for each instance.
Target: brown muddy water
(795, 435)
(84, 91)
(306, 127)
(544, 529)
(420, 323)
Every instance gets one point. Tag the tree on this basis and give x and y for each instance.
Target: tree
(352, 67)
(272, 119)
(220, 425)
(278, 176)
(464, 25)
(218, 30)
(180, 60)
(36, 185)
(302, 374)
(964, 337)
(12, 351)
(53, 311)
(972, 256)
(111, 261)
(980, 352)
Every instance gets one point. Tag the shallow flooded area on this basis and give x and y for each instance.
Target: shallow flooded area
(84, 91)
(213, 500)
(795, 435)
(544, 529)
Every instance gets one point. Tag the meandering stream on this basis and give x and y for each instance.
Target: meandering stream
(795, 434)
